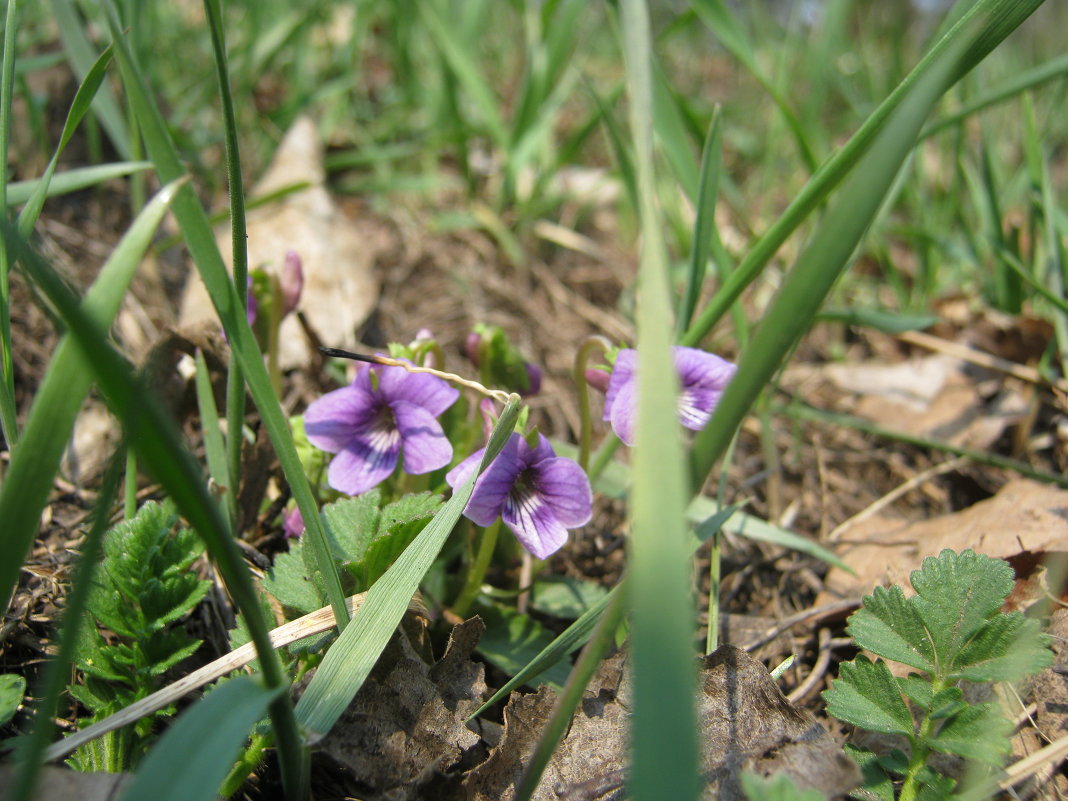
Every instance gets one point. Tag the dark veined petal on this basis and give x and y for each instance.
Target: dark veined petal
(565, 489)
(421, 389)
(492, 487)
(426, 447)
(534, 523)
(334, 419)
(623, 374)
(703, 376)
(623, 414)
(365, 462)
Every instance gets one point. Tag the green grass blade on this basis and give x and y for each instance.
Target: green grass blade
(1014, 86)
(351, 658)
(705, 223)
(8, 410)
(214, 447)
(664, 725)
(821, 262)
(458, 55)
(208, 736)
(78, 107)
(716, 15)
(201, 243)
(73, 180)
(81, 56)
(57, 673)
(162, 451)
(998, 18)
(673, 137)
(28, 482)
(235, 384)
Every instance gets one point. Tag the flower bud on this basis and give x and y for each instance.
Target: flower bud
(291, 282)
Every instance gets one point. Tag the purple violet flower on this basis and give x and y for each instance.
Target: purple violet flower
(702, 378)
(537, 494)
(368, 423)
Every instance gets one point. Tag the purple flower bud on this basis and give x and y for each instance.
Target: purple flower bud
(292, 523)
(251, 306)
(598, 379)
(291, 282)
(534, 377)
(472, 348)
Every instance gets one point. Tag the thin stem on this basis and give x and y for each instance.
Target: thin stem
(603, 456)
(129, 508)
(7, 365)
(477, 572)
(585, 422)
(911, 786)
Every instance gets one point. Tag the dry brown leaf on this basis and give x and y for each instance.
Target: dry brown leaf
(406, 724)
(338, 253)
(745, 721)
(1024, 518)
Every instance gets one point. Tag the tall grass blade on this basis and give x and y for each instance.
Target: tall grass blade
(161, 450)
(81, 56)
(64, 386)
(214, 447)
(235, 382)
(8, 412)
(821, 262)
(351, 658)
(705, 222)
(664, 727)
(207, 737)
(201, 243)
(57, 672)
(997, 18)
(74, 180)
(78, 107)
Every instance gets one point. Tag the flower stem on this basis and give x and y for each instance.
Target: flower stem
(582, 358)
(477, 571)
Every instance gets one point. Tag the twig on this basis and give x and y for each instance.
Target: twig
(313, 623)
(894, 494)
(1027, 767)
(814, 613)
(819, 670)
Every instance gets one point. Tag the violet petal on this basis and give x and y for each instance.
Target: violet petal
(426, 447)
(366, 462)
(534, 523)
(332, 420)
(421, 389)
(565, 488)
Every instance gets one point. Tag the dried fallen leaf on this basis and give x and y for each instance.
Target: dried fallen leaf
(1024, 518)
(745, 721)
(338, 253)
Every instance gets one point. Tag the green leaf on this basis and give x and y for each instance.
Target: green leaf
(888, 322)
(513, 639)
(889, 625)
(1007, 648)
(875, 784)
(776, 788)
(350, 524)
(978, 732)
(74, 180)
(566, 597)
(866, 695)
(208, 736)
(291, 581)
(12, 689)
(955, 595)
(917, 689)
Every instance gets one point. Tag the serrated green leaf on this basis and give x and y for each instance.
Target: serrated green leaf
(351, 524)
(866, 695)
(1008, 647)
(946, 703)
(979, 732)
(565, 597)
(12, 689)
(917, 689)
(895, 761)
(399, 523)
(934, 786)
(888, 625)
(290, 581)
(875, 785)
(955, 595)
(776, 788)
(165, 649)
(512, 639)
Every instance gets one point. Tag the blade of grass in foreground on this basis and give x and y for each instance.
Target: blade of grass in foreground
(821, 262)
(201, 243)
(208, 735)
(8, 421)
(28, 482)
(998, 19)
(161, 449)
(663, 731)
(74, 180)
(351, 658)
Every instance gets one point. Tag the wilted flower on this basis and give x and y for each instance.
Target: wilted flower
(368, 423)
(537, 494)
(702, 379)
